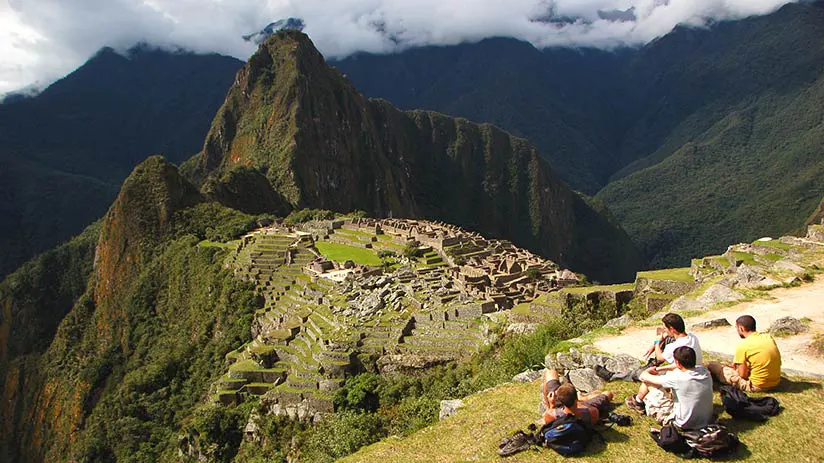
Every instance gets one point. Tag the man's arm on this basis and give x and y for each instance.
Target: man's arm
(659, 353)
(651, 379)
(743, 370)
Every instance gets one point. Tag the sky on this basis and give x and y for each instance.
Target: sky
(43, 40)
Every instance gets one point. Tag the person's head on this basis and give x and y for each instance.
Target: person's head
(684, 357)
(567, 395)
(674, 324)
(745, 325)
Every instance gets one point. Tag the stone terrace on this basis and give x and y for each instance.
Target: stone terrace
(325, 320)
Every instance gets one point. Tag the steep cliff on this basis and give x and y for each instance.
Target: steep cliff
(321, 144)
(136, 350)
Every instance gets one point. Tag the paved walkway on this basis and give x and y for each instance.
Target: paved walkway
(799, 302)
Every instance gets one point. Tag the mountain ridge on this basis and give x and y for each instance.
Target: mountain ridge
(323, 145)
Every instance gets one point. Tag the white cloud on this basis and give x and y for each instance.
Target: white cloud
(41, 40)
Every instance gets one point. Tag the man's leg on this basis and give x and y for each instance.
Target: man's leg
(600, 401)
(727, 375)
(551, 381)
(659, 405)
(636, 402)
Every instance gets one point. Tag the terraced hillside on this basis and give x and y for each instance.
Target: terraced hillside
(327, 318)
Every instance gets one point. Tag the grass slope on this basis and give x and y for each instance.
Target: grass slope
(343, 252)
(476, 431)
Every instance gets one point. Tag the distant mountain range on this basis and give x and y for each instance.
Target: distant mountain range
(701, 138)
(64, 153)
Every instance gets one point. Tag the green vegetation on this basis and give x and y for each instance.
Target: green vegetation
(476, 431)
(773, 244)
(308, 215)
(54, 183)
(670, 274)
(343, 252)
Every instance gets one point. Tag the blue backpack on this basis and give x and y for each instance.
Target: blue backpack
(567, 435)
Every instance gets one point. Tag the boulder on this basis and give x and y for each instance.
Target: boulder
(787, 326)
(715, 323)
(622, 363)
(585, 380)
(717, 294)
(527, 376)
(683, 304)
(564, 361)
(591, 360)
(449, 408)
(790, 266)
(620, 322)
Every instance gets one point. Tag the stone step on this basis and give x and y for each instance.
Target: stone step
(299, 383)
(444, 333)
(425, 341)
(258, 388)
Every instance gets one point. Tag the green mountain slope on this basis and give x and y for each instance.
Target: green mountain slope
(65, 152)
(140, 336)
(323, 145)
(600, 116)
(755, 172)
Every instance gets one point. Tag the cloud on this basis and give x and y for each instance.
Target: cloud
(41, 40)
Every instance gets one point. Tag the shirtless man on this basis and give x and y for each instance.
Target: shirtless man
(565, 399)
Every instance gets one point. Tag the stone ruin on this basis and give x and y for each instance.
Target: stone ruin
(323, 320)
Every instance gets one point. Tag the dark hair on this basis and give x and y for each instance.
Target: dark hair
(746, 322)
(674, 321)
(567, 395)
(685, 355)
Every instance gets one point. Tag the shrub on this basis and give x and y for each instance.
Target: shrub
(308, 215)
(340, 435)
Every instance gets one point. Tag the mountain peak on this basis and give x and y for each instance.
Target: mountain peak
(139, 219)
(321, 144)
(295, 24)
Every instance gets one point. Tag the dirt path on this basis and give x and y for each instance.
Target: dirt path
(799, 302)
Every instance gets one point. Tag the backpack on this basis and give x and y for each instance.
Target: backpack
(669, 439)
(711, 441)
(743, 407)
(567, 435)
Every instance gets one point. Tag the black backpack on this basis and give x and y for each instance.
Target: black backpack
(711, 441)
(566, 434)
(743, 407)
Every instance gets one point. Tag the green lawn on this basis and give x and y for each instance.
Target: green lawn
(476, 431)
(671, 274)
(343, 252)
(775, 244)
(591, 289)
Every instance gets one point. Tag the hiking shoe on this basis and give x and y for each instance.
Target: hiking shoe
(620, 420)
(603, 373)
(519, 442)
(635, 405)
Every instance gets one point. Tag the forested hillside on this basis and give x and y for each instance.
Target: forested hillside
(64, 153)
(600, 116)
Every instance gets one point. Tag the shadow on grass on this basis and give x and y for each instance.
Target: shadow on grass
(795, 386)
(609, 435)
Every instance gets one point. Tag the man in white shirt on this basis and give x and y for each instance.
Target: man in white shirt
(690, 387)
(673, 326)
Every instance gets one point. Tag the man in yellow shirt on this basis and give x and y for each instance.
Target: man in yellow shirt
(757, 363)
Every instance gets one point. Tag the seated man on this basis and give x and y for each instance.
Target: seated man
(673, 326)
(756, 365)
(687, 389)
(564, 399)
